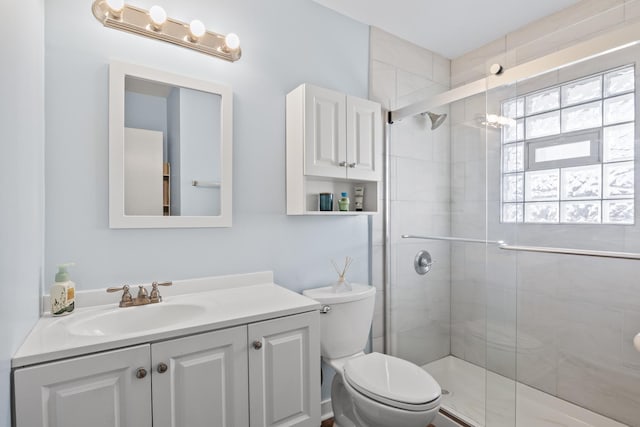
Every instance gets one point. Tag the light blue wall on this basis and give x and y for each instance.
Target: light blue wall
(146, 112)
(285, 43)
(200, 143)
(21, 179)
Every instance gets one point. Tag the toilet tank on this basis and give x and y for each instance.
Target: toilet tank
(344, 329)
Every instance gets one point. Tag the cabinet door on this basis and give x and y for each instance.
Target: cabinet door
(99, 390)
(284, 371)
(324, 132)
(205, 381)
(364, 139)
(143, 190)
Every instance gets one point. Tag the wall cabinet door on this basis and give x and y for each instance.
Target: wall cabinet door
(324, 132)
(284, 371)
(201, 380)
(364, 139)
(100, 390)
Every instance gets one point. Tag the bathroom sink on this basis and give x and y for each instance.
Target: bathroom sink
(119, 321)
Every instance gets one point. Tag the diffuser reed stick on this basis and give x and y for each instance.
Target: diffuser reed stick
(342, 285)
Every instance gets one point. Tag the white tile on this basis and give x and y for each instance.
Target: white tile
(382, 84)
(457, 115)
(631, 10)
(562, 19)
(603, 389)
(485, 398)
(377, 266)
(421, 180)
(570, 34)
(419, 218)
(630, 356)
(400, 53)
(471, 66)
(425, 344)
(377, 327)
(590, 332)
(412, 138)
(441, 70)
(378, 345)
(537, 349)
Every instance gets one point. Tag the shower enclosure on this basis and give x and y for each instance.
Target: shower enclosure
(524, 199)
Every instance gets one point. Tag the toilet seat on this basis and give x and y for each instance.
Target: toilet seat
(392, 381)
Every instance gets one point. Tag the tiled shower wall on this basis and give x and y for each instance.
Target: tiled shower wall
(573, 318)
(402, 74)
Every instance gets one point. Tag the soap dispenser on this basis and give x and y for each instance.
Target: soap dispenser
(62, 293)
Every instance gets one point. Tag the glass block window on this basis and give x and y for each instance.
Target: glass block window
(568, 152)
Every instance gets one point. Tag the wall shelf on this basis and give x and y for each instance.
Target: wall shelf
(334, 143)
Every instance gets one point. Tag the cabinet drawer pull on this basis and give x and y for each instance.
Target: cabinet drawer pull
(342, 164)
(162, 368)
(257, 345)
(141, 373)
(352, 165)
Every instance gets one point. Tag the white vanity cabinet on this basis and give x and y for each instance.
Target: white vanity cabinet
(219, 378)
(334, 141)
(107, 389)
(201, 380)
(284, 371)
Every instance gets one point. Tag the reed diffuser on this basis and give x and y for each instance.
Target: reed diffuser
(342, 285)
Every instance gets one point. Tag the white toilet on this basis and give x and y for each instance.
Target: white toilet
(369, 390)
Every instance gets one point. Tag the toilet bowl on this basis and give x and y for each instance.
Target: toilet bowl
(369, 390)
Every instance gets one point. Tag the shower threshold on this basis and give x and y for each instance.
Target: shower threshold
(467, 385)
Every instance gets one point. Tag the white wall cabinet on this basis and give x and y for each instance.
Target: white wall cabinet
(334, 141)
(220, 378)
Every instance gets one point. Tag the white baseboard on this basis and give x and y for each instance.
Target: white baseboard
(326, 411)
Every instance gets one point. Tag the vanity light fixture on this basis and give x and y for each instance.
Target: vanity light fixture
(196, 30)
(155, 24)
(158, 17)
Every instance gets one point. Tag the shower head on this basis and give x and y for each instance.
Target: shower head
(436, 119)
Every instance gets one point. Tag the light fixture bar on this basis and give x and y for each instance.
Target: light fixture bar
(136, 20)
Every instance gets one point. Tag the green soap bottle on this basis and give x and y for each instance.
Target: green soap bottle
(62, 293)
(343, 203)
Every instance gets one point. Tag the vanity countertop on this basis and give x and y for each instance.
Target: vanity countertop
(217, 302)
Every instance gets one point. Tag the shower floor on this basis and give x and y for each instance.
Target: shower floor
(468, 384)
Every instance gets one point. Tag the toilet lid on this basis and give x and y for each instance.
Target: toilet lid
(390, 380)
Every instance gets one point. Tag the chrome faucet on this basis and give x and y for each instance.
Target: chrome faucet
(143, 297)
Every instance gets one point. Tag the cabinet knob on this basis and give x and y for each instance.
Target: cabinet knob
(352, 165)
(162, 368)
(257, 345)
(342, 164)
(141, 373)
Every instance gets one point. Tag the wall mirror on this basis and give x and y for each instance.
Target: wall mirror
(170, 149)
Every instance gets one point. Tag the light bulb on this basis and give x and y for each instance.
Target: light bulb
(115, 5)
(158, 17)
(232, 41)
(197, 29)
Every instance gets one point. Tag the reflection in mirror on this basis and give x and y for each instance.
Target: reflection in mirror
(170, 144)
(169, 150)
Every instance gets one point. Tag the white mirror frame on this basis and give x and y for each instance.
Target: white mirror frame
(117, 218)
